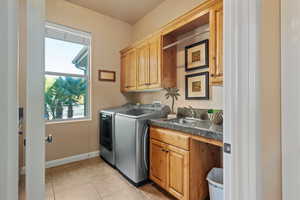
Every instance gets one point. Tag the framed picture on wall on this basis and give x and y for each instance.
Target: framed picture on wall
(197, 86)
(105, 75)
(197, 56)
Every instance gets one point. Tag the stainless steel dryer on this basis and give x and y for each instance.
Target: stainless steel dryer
(132, 140)
(107, 132)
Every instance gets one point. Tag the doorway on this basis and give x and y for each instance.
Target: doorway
(36, 133)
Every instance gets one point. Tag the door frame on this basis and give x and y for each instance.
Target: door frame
(9, 104)
(241, 102)
(290, 98)
(240, 85)
(35, 123)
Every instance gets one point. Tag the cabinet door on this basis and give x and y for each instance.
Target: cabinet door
(178, 172)
(158, 163)
(123, 73)
(143, 67)
(131, 71)
(216, 44)
(155, 63)
(128, 71)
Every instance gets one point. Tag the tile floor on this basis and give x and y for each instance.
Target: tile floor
(93, 179)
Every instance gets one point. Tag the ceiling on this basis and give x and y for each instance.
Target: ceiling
(129, 11)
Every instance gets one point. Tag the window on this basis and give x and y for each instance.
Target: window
(67, 73)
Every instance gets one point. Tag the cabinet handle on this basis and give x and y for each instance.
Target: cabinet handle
(216, 75)
(164, 150)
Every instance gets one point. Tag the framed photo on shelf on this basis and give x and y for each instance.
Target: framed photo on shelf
(197, 56)
(105, 75)
(197, 86)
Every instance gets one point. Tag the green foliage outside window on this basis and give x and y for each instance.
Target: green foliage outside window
(65, 91)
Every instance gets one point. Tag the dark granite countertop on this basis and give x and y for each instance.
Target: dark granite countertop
(199, 128)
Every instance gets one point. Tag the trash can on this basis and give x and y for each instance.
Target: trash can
(215, 182)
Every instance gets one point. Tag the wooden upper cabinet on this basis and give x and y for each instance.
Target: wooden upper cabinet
(216, 44)
(123, 73)
(128, 71)
(149, 64)
(132, 70)
(155, 63)
(156, 56)
(143, 67)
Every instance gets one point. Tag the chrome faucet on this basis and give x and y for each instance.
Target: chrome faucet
(193, 112)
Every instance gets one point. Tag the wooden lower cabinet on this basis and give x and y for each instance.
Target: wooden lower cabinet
(158, 164)
(179, 169)
(178, 172)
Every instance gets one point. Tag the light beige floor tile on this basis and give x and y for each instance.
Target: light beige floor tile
(21, 193)
(93, 179)
(84, 192)
(55, 170)
(21, 187)
(67, 181)
(154, 193)
(49, 193)
(49, 197)
(79, 174)
(92, 161)
(110, 185)
(101, 169)
(126, 194)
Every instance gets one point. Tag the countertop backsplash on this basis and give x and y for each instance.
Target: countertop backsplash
(187, 112)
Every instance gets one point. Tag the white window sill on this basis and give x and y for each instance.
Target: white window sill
(67, 121)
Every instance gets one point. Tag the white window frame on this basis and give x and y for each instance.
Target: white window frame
(87, 76)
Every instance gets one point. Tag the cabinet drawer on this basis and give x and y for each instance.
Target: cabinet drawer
(172, 137)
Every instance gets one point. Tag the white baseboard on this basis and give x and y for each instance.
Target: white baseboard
(66, 160)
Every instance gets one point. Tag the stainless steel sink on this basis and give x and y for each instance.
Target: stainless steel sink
(187, 121)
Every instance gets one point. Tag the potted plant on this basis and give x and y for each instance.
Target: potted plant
(172, 93)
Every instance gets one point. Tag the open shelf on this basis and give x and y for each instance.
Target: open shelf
(171, 38)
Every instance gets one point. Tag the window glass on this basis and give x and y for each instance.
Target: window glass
(65, 97)
(63, 57)
(66, 79)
